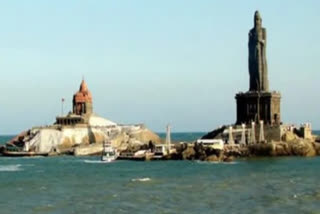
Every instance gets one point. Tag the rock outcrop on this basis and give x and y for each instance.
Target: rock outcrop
(290, 144)
(84, 139)
(189, 153)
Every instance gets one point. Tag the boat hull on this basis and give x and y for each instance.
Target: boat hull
(132, 158)
(108, 159)
(23, 154)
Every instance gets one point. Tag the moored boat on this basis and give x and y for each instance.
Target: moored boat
(141, 155)
(22, 153)
(12, 150)
(109, 154)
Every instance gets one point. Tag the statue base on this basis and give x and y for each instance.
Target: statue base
(254, 106)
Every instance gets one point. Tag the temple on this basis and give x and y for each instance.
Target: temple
(82, 100)
(258, 104)
(81, 109)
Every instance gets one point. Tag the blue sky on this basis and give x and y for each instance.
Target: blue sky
(153, 62)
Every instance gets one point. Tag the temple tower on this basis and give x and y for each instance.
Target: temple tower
(82, 100)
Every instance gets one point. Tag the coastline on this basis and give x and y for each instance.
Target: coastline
(190, 151)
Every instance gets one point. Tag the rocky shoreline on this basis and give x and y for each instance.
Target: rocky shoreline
(194, 151)
(230, 153)
(77, 141)
(290, 145)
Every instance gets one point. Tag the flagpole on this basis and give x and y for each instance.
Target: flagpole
(62, 102)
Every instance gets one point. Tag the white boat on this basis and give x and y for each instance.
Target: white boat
(109, 154)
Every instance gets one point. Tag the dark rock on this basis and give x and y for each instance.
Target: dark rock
(288, 137)
(189, 154)
(214, 133)
(317, 147)
(212, 158)
(261, 149)
(228, 159)
(303, 148)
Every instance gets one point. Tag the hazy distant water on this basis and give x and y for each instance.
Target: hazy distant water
(5, 138)
(183, 136)
(83, 185)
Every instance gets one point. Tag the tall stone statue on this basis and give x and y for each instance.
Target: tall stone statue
(258, 69)
(258, 104)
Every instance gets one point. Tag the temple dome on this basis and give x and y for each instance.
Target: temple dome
(83, 95)
(83, 86)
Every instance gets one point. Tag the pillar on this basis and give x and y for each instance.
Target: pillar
(168, 139)
(230, 140)
(243, 135)
(253, 133)
(261, 134)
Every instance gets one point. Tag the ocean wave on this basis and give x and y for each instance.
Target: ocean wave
(28, 165)
(10, 168)
(230, 163)
(33, 157)
(216, 162)
(140, 179)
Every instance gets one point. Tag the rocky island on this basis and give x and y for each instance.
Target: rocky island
(81, 132)
(258, 130)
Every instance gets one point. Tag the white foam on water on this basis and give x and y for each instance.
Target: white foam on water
(96, 161)
(140, 179)
(33, 157)
(295, 196)
(231, 163)
(216, 162)
(10, 168)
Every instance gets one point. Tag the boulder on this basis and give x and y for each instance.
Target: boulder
(86, 150)
(212, 158)
(188, 154)
(289, 136)
(282, 149)
(316, 146)
(145, 135)
(200, 152)
(120, 142)
(296, 147)
(228, 159)
(303, 147)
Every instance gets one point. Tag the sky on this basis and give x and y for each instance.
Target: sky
(153, 62)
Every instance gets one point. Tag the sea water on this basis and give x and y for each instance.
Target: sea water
(85, 185)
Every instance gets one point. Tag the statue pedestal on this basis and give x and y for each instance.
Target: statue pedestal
(256, 106)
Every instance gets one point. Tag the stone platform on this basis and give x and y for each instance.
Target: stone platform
(258, 105)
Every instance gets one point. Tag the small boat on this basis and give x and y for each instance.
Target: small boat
(141, 155)
(12, 150)
(109, 154)
(23, 154)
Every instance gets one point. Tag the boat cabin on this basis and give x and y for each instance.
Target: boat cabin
(212, 143)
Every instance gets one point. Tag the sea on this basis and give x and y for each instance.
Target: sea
(85, 185)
